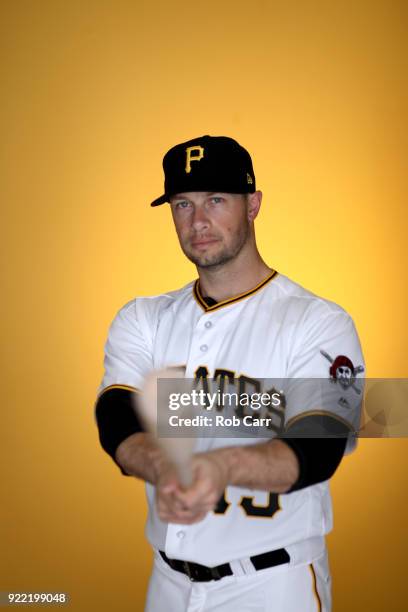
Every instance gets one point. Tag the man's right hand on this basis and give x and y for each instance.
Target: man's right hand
(169, 507)
(139, 456)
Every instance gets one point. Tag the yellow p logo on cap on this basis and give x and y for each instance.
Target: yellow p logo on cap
(191, 157)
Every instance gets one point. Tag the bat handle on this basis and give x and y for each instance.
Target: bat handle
(184, 474)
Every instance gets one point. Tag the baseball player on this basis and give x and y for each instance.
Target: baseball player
(249, 532)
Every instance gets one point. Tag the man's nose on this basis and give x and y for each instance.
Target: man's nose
(200, 219)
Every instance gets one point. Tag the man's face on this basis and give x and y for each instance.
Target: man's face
(212, 227)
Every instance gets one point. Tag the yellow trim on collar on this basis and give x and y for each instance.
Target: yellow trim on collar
(241, 296)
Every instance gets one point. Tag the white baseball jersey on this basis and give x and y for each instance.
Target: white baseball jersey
(276, 330)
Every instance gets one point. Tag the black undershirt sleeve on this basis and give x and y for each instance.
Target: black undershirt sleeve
(319, 442)
(116, 419)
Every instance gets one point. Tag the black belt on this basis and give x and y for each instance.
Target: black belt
(202, 573)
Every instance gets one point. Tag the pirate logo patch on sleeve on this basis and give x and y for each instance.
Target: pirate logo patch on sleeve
(342, 371)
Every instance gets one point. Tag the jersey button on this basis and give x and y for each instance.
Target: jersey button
(181, 534)
(208, 324)
(203, 348)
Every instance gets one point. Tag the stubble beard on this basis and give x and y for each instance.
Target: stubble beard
(217, 260)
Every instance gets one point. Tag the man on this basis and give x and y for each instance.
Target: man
(249, 532)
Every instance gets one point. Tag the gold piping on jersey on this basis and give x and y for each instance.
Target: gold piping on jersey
(125, 387)
(236, 298)
(316, 594)
(320, 413)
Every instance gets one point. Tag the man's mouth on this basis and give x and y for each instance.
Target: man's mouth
(203, 242)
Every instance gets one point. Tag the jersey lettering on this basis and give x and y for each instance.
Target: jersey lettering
(222, 375)
(242, 385)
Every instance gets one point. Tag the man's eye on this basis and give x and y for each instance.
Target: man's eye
(217, 199)
(182, 204)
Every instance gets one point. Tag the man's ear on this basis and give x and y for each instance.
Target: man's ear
(254, 204)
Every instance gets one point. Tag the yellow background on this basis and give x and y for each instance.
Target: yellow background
(93, 95)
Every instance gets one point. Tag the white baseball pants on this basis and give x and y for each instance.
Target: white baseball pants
(284, 588)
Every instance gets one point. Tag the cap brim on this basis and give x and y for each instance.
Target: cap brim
(162, 200)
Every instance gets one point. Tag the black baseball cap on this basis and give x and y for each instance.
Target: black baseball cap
(207, 163)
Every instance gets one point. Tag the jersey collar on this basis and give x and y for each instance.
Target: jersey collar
(236, 298)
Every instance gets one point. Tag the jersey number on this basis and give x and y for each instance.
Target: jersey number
(247, 503)
(249, 507)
